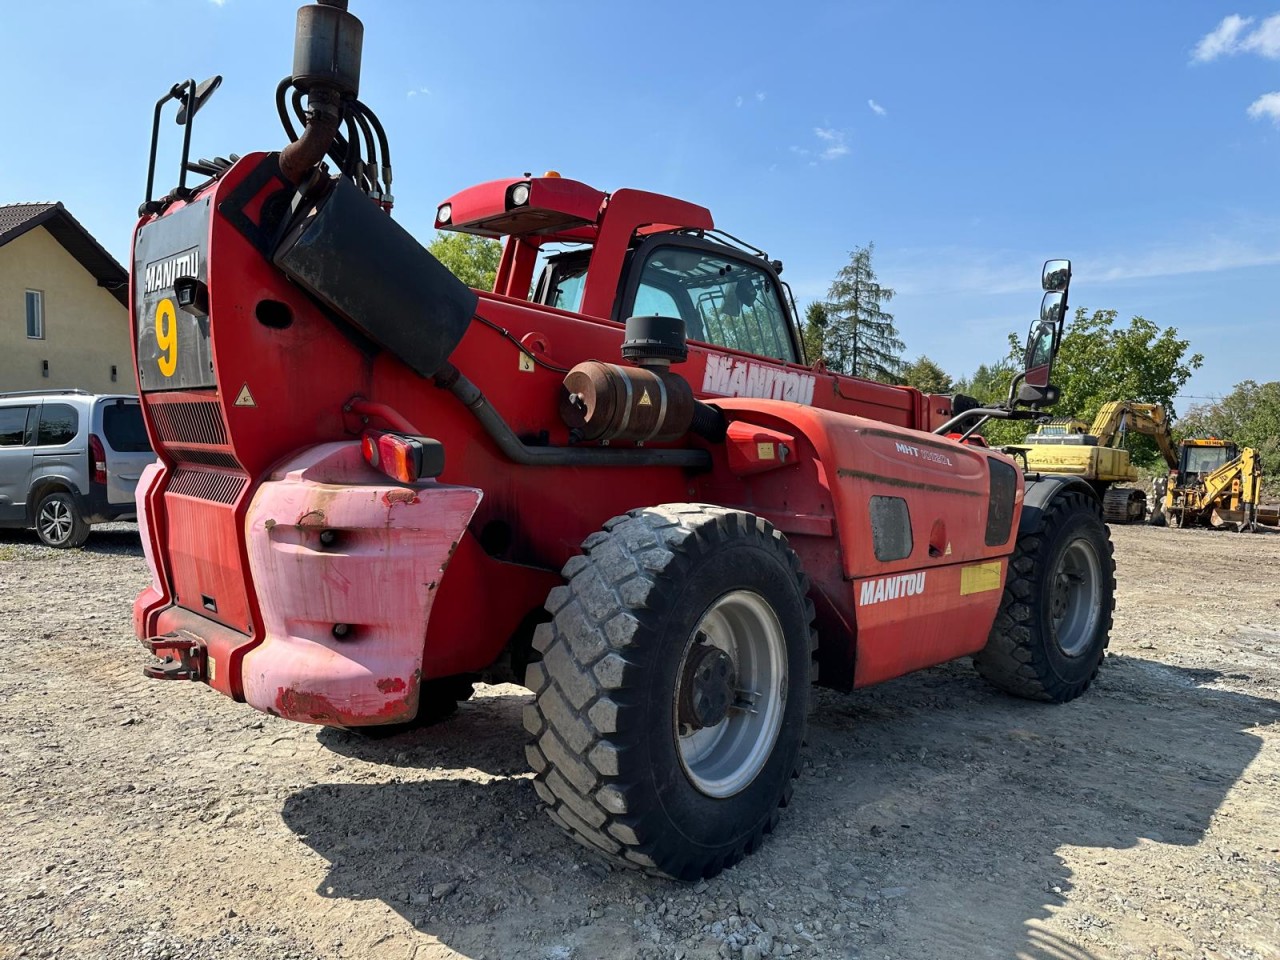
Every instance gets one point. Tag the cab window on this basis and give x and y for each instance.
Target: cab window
(563, 280)
(722, 300)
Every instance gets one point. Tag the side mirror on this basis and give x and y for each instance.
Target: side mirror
(1052, 306)
(1056, 275)
(1039, 356)
(192, 103)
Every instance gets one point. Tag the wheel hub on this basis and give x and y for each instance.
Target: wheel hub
(706, 687)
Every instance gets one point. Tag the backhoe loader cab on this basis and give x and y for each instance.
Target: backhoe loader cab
(1197, 458)
(620, 485)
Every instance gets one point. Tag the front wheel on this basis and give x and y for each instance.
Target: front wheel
(59, 522)
(1054, 622)
(673, 689)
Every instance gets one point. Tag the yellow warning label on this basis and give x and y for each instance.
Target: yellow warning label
(765, 451)
(244, 398)
(644, 399)
(213, 670)
(526, 363)
(980, 578)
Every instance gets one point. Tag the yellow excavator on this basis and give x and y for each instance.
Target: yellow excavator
(1215, 485)
(1073, 447)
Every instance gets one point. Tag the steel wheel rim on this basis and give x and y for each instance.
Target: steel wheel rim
(1076, 597)
(55, 521)
(723, 759)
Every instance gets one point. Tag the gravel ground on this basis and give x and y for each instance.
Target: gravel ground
(936, 818)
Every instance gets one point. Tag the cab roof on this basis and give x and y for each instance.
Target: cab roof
(555, 208)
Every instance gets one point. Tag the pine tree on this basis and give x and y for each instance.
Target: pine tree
(814, 332)
(860, 337)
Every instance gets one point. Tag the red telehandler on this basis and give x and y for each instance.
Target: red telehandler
(615, 482)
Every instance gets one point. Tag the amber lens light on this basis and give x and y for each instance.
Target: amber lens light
(399, 457)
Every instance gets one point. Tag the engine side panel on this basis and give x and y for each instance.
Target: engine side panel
(912, 571)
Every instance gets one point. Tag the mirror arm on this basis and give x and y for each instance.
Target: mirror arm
(1013, 389)
(984, 414)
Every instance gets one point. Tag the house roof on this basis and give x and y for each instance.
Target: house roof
(17, 218)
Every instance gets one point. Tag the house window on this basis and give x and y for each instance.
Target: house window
(35, 315)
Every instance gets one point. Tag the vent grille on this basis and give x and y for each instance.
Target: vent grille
(208, 458)
(191, 421)
(206, 485)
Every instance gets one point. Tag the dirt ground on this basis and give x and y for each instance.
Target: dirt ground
(936, 818)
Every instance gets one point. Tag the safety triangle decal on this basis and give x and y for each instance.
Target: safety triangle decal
(244, 398)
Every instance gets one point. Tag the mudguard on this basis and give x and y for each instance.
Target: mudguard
(1040, 490)
(346, 564)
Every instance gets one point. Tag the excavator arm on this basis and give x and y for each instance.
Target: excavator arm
(1150, 419)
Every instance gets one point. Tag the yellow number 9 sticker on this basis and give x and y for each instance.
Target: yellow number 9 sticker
(167, 337)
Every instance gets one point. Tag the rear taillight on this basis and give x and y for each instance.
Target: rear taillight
(97, 459)
(402, 457)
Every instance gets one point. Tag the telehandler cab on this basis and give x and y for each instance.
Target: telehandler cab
(618, 483)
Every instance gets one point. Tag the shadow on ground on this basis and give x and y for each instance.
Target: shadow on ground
(931, 806)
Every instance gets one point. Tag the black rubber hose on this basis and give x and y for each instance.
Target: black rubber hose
(283, 109)
(452, 379)
(383, 144)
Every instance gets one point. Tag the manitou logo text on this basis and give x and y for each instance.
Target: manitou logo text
(161, 274)
(891, 588)
(742, 378)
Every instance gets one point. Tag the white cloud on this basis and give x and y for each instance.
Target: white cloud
(1223, 39)
(737, 101)
(877, 109)
(1267, 105)
(834, 140)
(957, 271)
(759, 96)
(1230, 37)
(419, 91)
(1265, 41)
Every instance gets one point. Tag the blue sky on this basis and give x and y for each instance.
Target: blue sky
(969, 141)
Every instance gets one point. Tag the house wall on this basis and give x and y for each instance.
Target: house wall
(86, 329)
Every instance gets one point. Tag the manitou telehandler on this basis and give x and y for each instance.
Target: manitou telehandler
(616, 482)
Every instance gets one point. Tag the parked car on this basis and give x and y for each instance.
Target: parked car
(69, 459)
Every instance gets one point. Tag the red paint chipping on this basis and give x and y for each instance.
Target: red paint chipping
(317, 708)
(392, 497)
(391, 685)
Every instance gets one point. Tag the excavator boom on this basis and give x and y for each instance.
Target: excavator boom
(1119, 416)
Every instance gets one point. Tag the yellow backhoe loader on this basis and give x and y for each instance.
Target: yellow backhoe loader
(1071, 447)
(1215, 485)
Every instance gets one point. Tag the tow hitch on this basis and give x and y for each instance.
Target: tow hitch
(183, 658)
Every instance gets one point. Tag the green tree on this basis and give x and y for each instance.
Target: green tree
(1249, 415)
(814, 331)
(860, 337)
(925, 375)
(1100, 361)
(472, 259)
(989, 384)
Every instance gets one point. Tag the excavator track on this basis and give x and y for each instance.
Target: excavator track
(1124, 505)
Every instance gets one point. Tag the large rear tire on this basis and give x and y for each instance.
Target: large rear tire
(673, 689)
(1054, 622)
